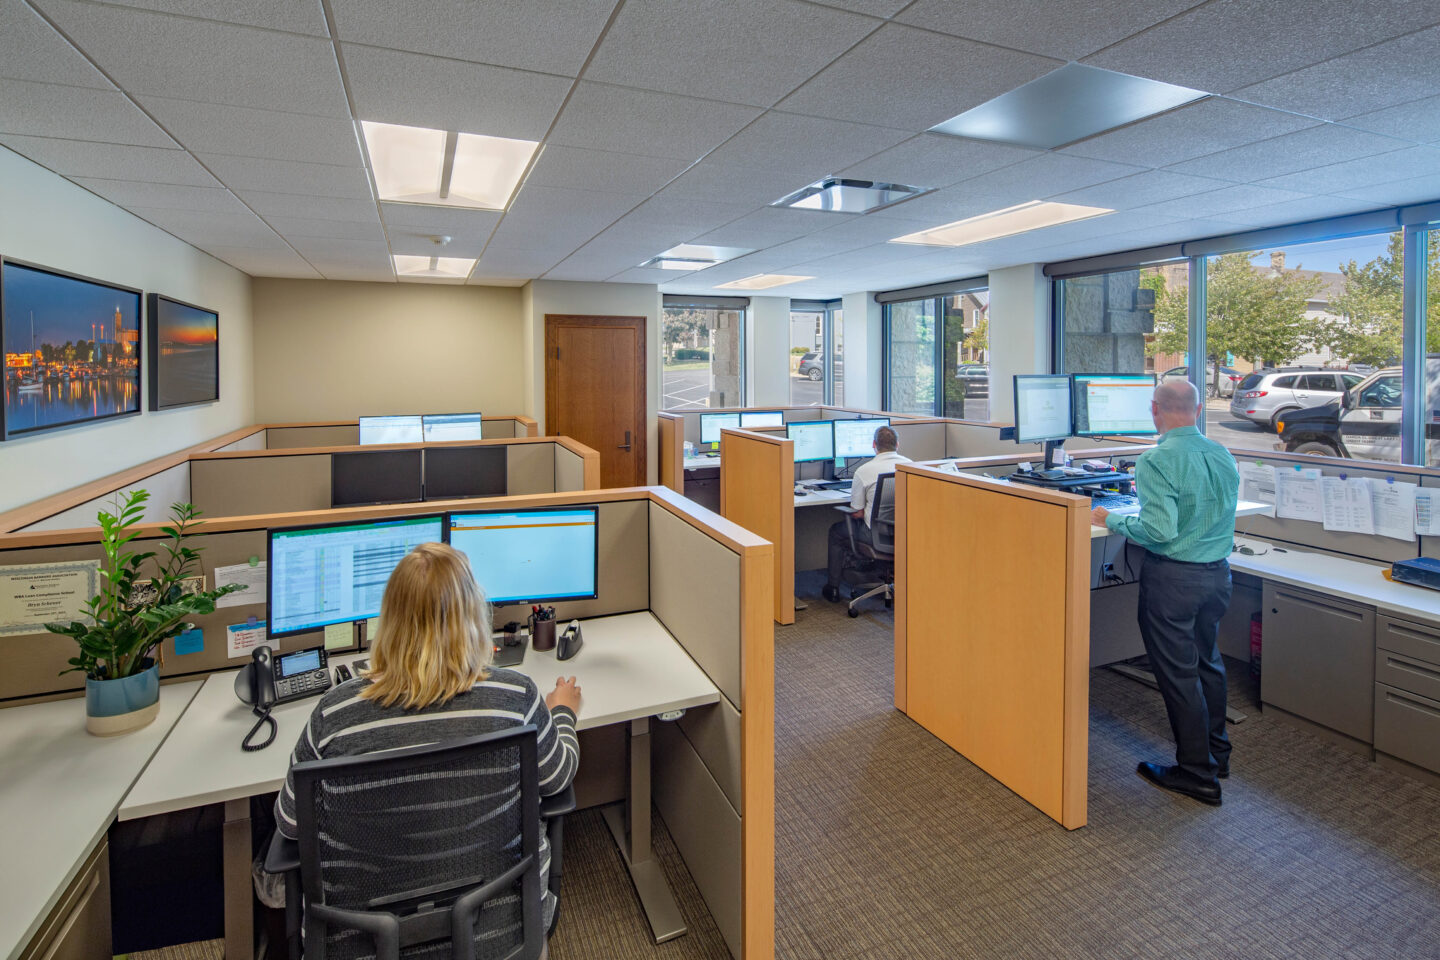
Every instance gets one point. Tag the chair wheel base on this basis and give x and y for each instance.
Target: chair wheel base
(853, 613)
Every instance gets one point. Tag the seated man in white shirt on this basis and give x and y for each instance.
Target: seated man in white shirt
(862, 491)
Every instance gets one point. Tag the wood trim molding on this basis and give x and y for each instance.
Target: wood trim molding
(757, 757)
(728, 532)
(671, 431)
(590, 459)
(355, 423)
(354, 448)
(902, 480)
(757, 491)
(529, 424)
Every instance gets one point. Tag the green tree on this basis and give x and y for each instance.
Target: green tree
(1369, 320)
(977, 341)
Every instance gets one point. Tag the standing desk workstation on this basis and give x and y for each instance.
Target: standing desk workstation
(664, 643)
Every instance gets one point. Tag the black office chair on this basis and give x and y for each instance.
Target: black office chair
(875, 543)
(396, 858)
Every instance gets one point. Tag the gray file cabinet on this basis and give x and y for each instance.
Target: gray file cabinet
(1407, 691)
(1319, 659)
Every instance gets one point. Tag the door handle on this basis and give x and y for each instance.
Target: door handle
(626, 444)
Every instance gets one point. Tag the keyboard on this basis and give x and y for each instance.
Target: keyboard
(833, 485)
(1117, 503)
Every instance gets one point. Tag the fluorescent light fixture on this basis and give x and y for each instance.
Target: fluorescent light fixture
(694, 256)
(432, 268)
(761, 281)
(841, 195)
(1003, 223)
(1068, 104)
(445, 168)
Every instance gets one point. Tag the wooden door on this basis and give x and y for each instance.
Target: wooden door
(595, 390)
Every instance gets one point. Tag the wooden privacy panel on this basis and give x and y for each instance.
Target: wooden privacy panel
(992, 630)
(757, 491)
(672, 451)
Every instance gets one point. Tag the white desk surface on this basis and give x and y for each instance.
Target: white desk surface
(59, 788)
(1244, 508)
(1357, 580)
(629, 667)
(699, 463)
(827, 498)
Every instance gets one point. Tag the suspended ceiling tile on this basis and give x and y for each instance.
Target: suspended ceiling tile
(913, 79)
(1303, 150)
(1152, 186)
(553, 36)
(1418, 120)
(1226, 44)
(1417, 190)
(693, 216)
(1337, 178)
(932, 160)
(295, 227)
(163, 196)
(603, 117)
(262, 263)
(517, 263)
(484, 278)
(152, 54)
(770, 226)
(743, 51)
(30, 49)
(645, 275)
(246, 132)
(358, 273)
(1194, 130)
(292, 16)
(731, 183)
(420, 219)
(808, 147)
(289, 176)
(409, 243)
(1298, 211)
(1222, 202)
(331, 250)
(75, 113)
(603, 171)
(420, 91)
(313, 208)
(871, 8)
(1081, 26)
(233, 229)
(79, 158)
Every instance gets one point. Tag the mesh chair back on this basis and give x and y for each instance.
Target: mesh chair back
(882, 516)
(404, 831)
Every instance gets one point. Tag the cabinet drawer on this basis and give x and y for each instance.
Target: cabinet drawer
(1407, 726)
(1407, 673)
(1319, 659)
(1412, 639)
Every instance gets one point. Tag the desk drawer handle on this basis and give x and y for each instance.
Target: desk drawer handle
(1412, 667)
(1342, 611)
(1412, 704)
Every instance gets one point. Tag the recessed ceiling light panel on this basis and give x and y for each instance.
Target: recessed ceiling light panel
(761, 281)
(694, 256)
(432, 268)
(1003, 223)
(445, 168)
(1065, 105)
(843, 195)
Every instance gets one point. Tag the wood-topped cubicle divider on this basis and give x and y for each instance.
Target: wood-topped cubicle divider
(757, 491)
(708, 580)
(672, 451)
(346, 433)
(992, 629)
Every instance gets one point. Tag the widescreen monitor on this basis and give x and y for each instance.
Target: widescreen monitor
(1107, 404)
(336, 573)
(814, 440)
(856, 438)
(439, 427)
(401, 429)
(712, 423)
(376, 476)
(1042, 407)
(455, 472)
(761, 418)
(530, 556)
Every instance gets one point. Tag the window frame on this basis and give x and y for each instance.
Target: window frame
(937, 304)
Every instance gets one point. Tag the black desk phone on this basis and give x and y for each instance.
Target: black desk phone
(267, 680)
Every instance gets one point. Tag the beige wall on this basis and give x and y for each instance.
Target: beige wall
(49, 221)
(335, 350)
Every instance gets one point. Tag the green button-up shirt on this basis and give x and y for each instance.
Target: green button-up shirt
(1187, 486)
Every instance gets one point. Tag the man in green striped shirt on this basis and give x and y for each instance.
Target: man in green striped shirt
(1187, 486)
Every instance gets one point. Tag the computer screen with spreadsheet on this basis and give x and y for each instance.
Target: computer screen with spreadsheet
(1113, 403)
(856, 438)
(814, 440)
(530, 556)
(452, 426)
(399, 429)
(336, 574)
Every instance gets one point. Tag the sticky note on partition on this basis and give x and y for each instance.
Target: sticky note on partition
(191, 641)
(338, 636)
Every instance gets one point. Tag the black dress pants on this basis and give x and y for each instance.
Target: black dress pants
(1180, 609)
(839, 549)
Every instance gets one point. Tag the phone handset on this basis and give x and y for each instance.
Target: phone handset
(255, 685)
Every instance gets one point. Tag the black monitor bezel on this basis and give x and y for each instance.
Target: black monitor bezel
(1070, 398)
(273, 634)
(336, 457)
(593, 507)
(811, 423)
(385, 416)
(1075, 407)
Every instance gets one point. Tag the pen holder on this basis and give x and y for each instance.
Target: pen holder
(542, 634)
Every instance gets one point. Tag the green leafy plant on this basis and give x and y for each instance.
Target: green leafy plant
(132, 615)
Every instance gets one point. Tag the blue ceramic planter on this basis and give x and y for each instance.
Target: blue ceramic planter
(120, 706)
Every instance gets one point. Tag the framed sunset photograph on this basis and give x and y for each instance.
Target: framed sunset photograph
(184, 354)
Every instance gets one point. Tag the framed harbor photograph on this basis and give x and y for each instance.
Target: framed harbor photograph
(71, 349)
(184, 353)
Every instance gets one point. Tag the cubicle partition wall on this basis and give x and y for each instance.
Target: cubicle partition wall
(672, 451)
(709, 582)
(346, 433)
(992, 628)
(757, 491)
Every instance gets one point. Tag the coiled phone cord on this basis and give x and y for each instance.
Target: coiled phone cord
(264, 714)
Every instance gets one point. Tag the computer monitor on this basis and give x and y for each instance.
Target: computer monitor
(1042, 407)
(376, 476)
(762, 418)
(712, 423)
(402, 429)
(814, 439)
(856, 438)
(451, 426)
(455, 472)
(1113, 403)
(530, 556)
(336, 573)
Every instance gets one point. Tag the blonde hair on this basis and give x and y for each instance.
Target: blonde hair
(433, 641)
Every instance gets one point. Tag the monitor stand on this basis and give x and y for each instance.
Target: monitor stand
(1051, 446)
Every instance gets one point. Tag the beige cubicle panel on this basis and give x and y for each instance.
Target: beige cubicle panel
(920, 439)
(757, 491)
(346, 433)
(672, 451)
(992, 626)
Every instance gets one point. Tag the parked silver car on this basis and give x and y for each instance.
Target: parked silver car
(1265, 396)
(1226, 385)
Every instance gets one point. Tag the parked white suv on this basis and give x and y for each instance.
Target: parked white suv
(1265, 396)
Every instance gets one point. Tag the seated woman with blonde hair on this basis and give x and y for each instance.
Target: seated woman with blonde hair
(430, 680)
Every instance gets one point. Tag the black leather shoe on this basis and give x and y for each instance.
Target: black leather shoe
(1224, 772)
(831, 593)
(1178, 781)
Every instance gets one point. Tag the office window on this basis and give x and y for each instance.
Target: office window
(910, 356)
(1111, 320)
(1428, 290)
(966, 356)
(807, 357)
(837, 356)
(701, 359)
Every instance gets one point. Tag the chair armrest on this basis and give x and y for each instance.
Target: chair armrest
(559, 804)
(283, 854)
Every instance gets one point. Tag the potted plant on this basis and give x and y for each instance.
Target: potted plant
(131, 616)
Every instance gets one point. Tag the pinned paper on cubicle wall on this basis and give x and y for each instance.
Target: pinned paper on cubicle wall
(1427, 512)
(1257, 485)
(1347, 505)
(249, 575)
(1297, 495)
(1393, 507)
(241, 639)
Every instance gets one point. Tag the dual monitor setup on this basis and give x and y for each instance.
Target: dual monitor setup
(712, 423)
(418, 428)
(319, 576)
(836, 440)
(1053, 408)
(423, 473)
